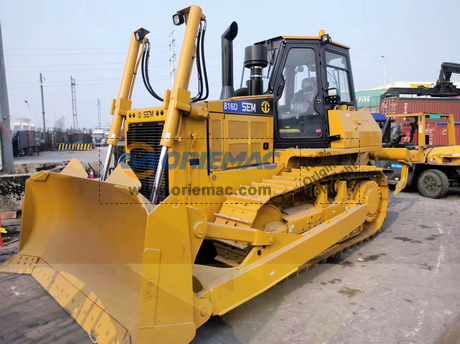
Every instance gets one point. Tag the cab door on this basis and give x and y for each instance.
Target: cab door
(300, 119)
(337, 75)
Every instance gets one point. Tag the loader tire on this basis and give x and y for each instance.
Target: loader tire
(433, 184)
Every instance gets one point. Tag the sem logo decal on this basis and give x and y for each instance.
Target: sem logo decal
(265, 107)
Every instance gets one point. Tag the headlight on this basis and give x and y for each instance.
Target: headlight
(178, 19)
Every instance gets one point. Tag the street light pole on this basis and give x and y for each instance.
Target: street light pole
(42, 80)
(384, 70)
(29, 112)
(98, 113)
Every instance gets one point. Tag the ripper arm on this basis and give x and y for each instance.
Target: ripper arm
(404, 158)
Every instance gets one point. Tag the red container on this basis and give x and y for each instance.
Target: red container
(30, 138)
(395, 105)
(439, 135)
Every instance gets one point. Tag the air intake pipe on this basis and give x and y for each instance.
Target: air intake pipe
(227, 61)
(255, 58)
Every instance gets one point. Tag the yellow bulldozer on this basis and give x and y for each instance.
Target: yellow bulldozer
(213, 202)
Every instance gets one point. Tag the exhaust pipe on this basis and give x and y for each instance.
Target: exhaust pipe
(227, 61)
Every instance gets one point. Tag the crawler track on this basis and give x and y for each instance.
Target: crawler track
(296, 191)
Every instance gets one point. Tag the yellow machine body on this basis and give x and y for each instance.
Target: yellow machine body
(444, 159)
(447, 154)
(131, 271)
(444, 155)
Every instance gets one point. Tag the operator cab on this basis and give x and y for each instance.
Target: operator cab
(306, 76)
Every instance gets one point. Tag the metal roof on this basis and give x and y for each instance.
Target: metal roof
(318, 38)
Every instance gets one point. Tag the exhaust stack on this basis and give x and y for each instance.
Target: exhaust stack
(227, 61)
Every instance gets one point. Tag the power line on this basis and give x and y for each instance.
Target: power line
(82, 84)
(47, 49)
(72, 64)
(86, 80)
(71, 70)
(61, 70)
(62, 82)
(76, 54)
(73, 54)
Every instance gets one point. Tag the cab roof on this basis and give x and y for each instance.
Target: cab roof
(302, 38)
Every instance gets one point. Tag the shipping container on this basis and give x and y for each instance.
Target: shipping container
(30, 138)
(369, 99)
(396, 105)
(22, 139)
(436, 133)
(439, 134)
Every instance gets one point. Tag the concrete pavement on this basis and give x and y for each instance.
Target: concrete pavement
(403, 286)
(97, 154)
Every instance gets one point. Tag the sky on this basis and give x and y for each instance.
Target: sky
(88, 40)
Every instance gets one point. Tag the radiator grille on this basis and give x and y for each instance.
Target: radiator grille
(148, 133)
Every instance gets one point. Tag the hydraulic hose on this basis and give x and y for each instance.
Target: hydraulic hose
(198, 66)
(205, 73)
(145, 72)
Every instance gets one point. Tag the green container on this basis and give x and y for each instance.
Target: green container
(368, 98)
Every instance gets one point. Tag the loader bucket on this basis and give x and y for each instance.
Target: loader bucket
(122, 270)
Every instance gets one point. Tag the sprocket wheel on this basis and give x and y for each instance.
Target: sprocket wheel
(368, 193)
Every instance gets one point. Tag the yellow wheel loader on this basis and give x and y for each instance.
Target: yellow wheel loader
(213, 202)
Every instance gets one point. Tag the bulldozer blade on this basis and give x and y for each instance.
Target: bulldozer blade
(102, 253)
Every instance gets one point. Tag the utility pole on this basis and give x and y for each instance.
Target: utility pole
(42, 80)
(74, 103)
(172, 57)
(6, 149)
(98, 113)
(384, 70)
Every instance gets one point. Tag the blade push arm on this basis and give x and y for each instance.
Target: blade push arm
(123, 102)
(179, 99)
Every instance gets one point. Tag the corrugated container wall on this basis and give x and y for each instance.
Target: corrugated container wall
(30, 138)
(395, 105)
(437, 134)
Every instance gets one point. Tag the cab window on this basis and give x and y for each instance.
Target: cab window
(297, 117)
(337, 76)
